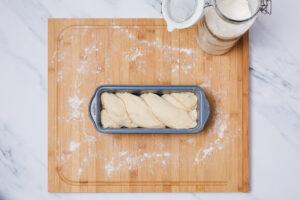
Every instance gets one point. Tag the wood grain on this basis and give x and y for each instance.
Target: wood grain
(86, 53)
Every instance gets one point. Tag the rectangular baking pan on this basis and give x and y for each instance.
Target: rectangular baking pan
(202, 106)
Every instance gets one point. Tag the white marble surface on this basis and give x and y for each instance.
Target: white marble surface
(274, 97)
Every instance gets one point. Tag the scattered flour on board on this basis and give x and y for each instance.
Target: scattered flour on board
(190, 140)
(79, 172)
(129, 35)
(133, 54)
(73, 146)
(146, 155)
(167, 154)
(61, 56)
(59, 76)
(219, 128)
(75, 103)
(110, 168)
(93, 35)
(175, 68)
(140, 68)
(85, 30)
(134, 160)
(116, 26)
(89, 50)
(204, 153)
(85, 61)
(89, 138)
(83, 65)
(53, 57)
(123, 153)
(222, 129)
(98, 69)
(186, 69)
(63, 158)
(157, 44)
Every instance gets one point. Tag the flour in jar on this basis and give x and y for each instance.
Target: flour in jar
(232, 9)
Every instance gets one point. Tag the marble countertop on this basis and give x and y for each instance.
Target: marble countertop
(274, 98)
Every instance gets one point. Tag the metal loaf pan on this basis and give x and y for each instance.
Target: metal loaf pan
(202, 107)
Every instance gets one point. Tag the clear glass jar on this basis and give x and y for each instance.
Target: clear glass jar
(219, 29)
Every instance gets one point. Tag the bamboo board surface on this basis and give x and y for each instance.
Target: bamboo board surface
(86, 53)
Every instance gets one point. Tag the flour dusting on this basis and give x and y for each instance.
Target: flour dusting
(167, 154)
(53, 57)
(93, 35)
(61, 56)
(219, 128)
(90, 50)
(59, 76)
(175, 68)
(222, 129)
(110, 167)
(116, 26)
(201, 155)
(83, 64)
(126, 160)
(130, 161)
(79, 172)
(75, 103)
(186, 69)
(133, 54)
(64, 157)
(98, 69)
(157, 43)
(74, 146)
(190, 140)
(90, 140)
(85, 60)
(140, 68)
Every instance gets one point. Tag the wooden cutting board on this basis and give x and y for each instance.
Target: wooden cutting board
(86, 53)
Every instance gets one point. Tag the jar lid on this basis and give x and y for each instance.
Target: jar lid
(180, 14)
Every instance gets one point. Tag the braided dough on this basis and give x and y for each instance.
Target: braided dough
(175, 110)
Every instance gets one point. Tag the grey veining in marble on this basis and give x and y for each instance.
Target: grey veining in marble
(274, 98)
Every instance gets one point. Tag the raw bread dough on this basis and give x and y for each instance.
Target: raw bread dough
(115, 110)
(107, 122)
(193, 114)
(187, 99)
(172, 100)
(139, 112)
(177, 103)
(170, 115)
(175, 110)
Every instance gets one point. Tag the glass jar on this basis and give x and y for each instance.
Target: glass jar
(222, 27)
(222, 22)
